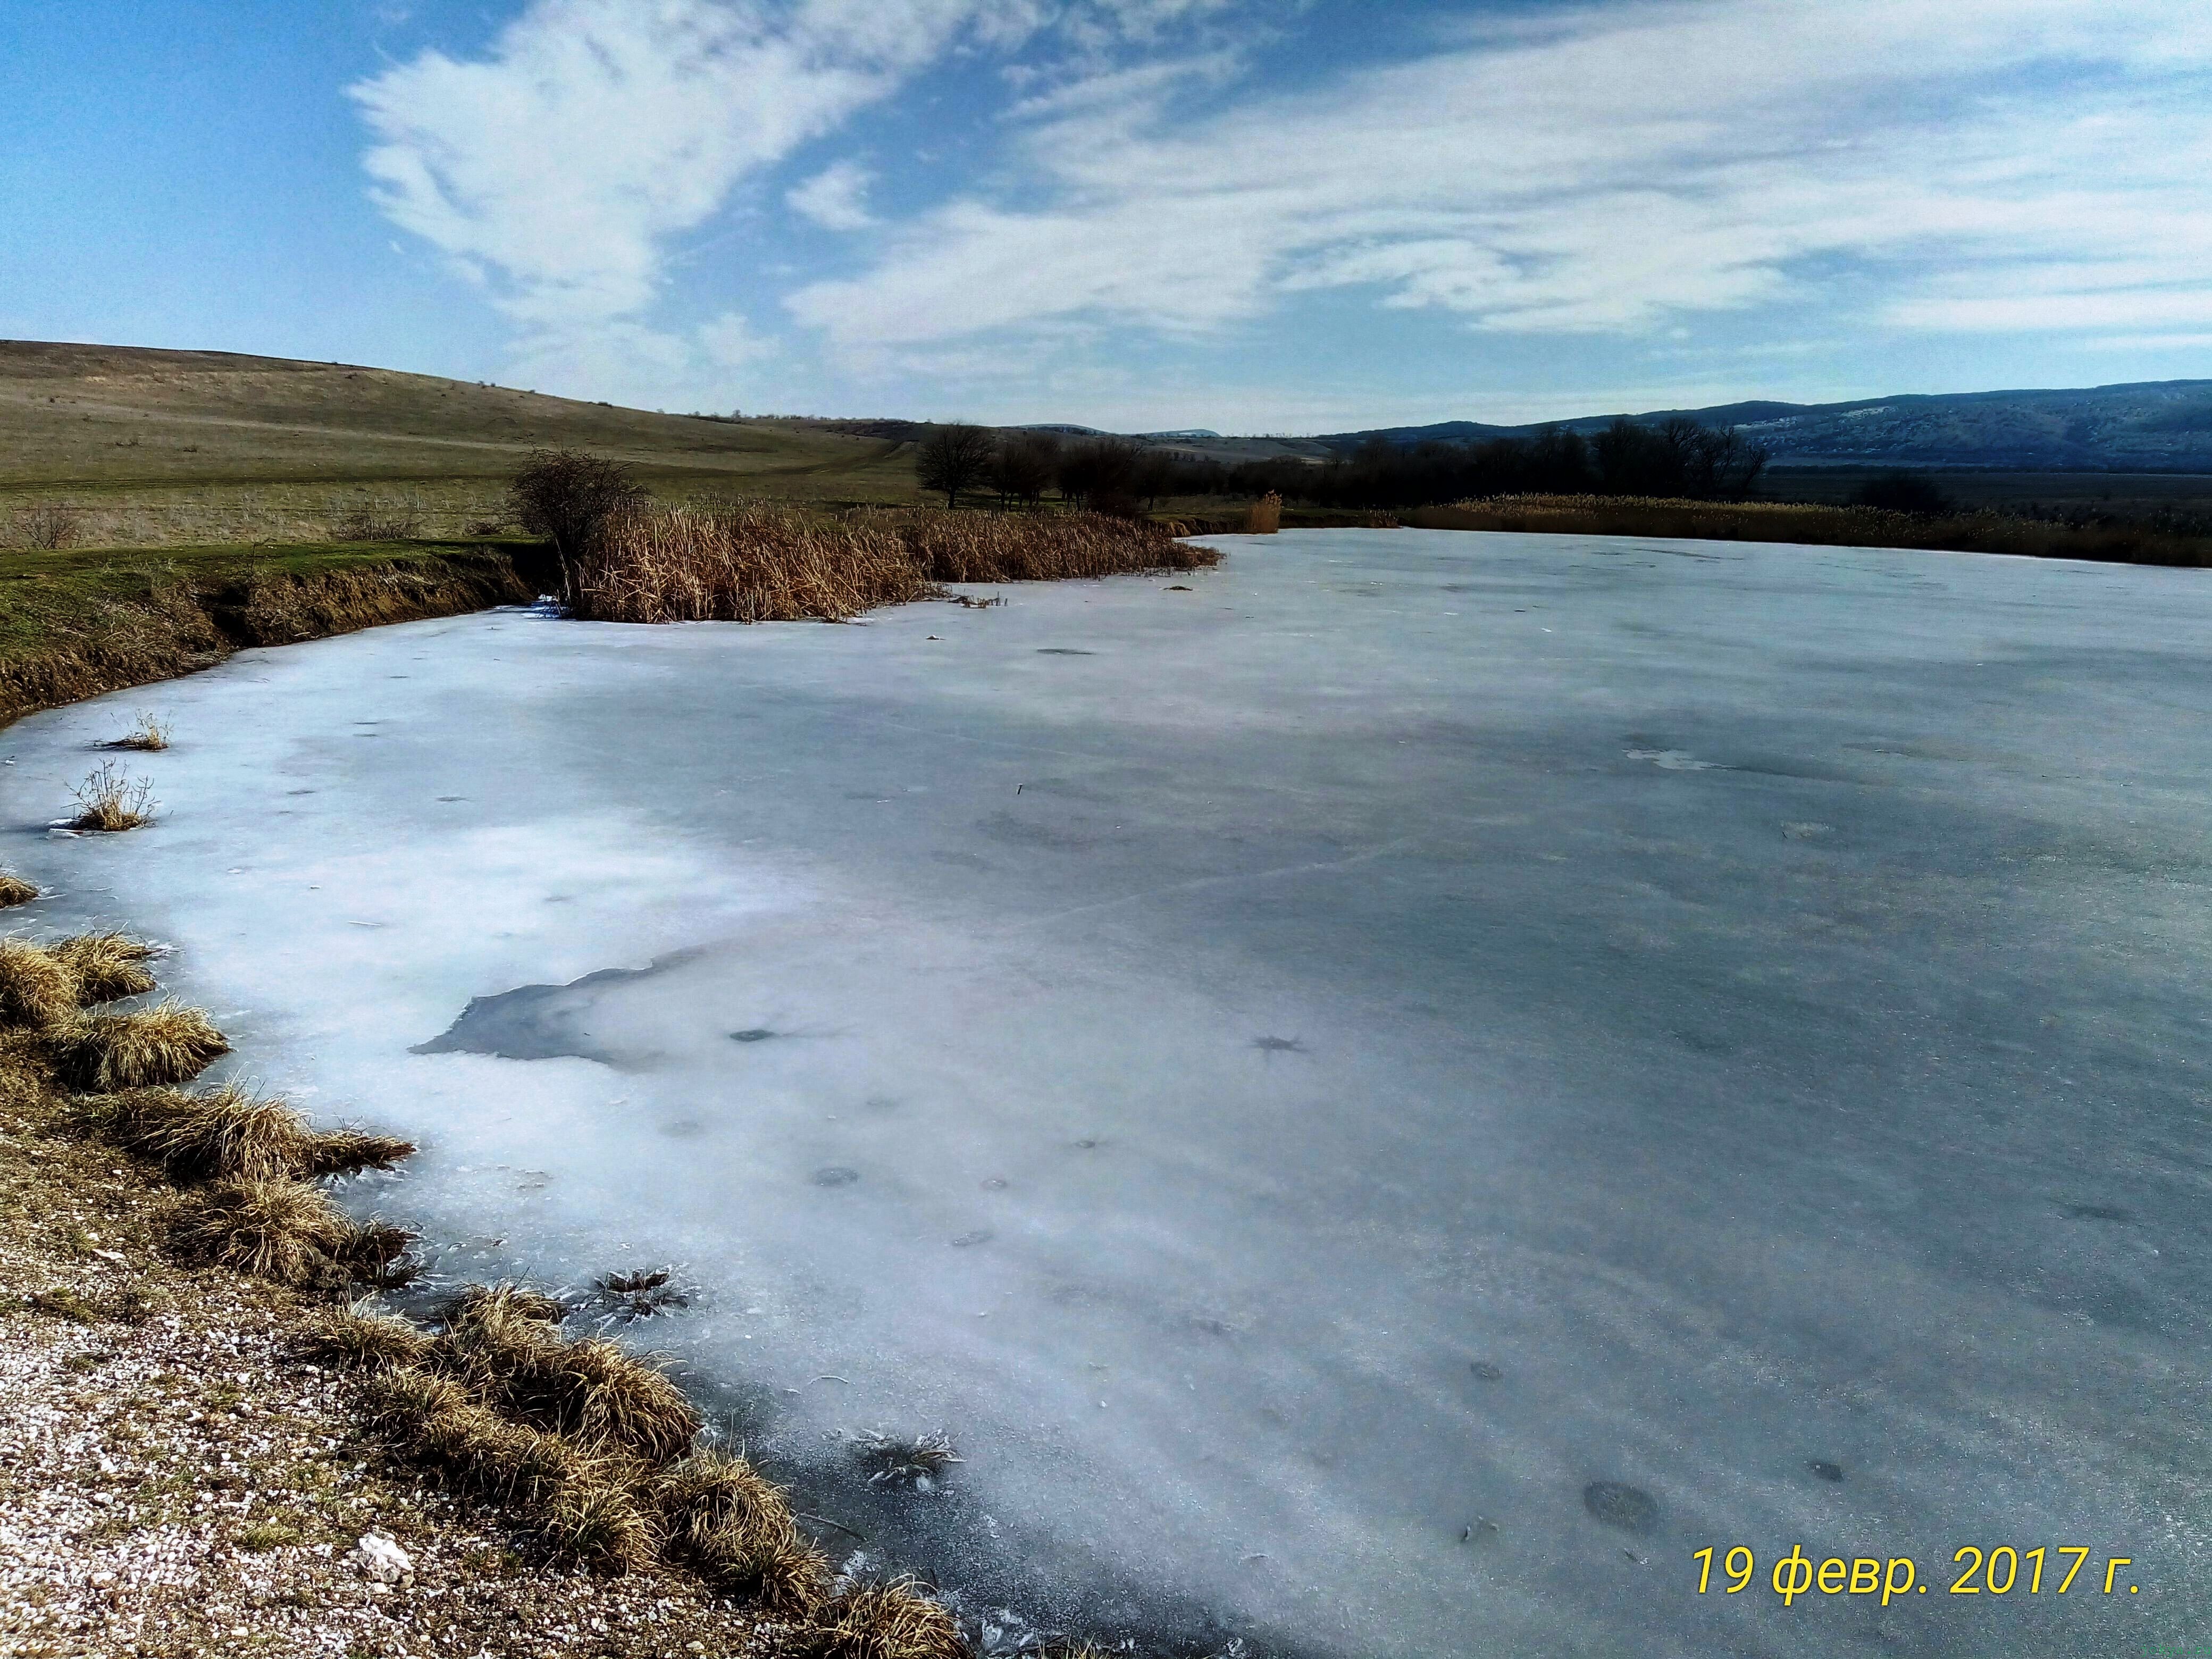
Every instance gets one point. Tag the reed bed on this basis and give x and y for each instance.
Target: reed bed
(758, 562)
(1986, 531)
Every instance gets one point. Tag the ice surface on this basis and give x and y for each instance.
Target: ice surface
(1381, 1101)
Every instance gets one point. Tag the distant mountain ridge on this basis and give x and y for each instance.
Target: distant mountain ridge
(2153, 426)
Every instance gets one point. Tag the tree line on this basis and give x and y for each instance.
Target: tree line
(1679, 457)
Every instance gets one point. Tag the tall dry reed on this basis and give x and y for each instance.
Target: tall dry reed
(758, 562)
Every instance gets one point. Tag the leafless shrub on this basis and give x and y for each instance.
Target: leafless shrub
(570, 498)
(111, 801)
(377, 520)
(48, 526)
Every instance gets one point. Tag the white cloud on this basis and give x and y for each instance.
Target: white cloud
(1610, 168)
(835, 198)
(730, 341)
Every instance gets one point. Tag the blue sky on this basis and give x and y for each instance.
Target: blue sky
(1140, 214)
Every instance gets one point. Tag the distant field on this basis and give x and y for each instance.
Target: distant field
(155, 448)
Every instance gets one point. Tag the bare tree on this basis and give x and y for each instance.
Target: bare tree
(1025, 465)
(569, 496)
(48, 526)
(952, 458)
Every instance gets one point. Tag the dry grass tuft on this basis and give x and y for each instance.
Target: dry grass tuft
(287, 1231)
(226, 1135)
(504, 1342)
(595, 1519)
(600, 1396)
(1265, 516)
(229, 1135)
(348, 1151)
(502, 1307)
(110, 800)
(582, 1506)
(896, 1620)
(757, 562)
(150, 736)
(14, 891)
(372, 1341)
(108, 966)
(734, 1525)
(166, 1044)
(37, 989)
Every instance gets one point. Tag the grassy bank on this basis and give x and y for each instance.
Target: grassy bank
(196, 1404)
(79, 623)
(1980, 531)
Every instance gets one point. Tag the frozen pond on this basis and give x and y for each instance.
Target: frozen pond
(1383, 1095)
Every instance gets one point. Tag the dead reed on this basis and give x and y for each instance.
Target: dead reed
(14, 891)
(110, 800)
(1028, 547)
(755, 562)
(1265, 516)
(760, 562)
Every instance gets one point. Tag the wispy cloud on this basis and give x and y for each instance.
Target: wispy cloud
(835, 198)
(1607, 168)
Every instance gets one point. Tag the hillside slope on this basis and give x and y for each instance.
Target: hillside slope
(103, 422)
(2152, 427)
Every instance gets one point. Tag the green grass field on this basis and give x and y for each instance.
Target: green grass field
(155, 448)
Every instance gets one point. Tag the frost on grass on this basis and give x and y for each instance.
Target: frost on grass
(918, 1463)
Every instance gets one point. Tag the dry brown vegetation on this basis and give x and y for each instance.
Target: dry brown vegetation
(78, 624)
(14, 891)
(169, 1044)
(110, 800)
(1986, 531)
(758, 562)
(107, 967)
(150, 735)
(590, 1449)
(1265, 516)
